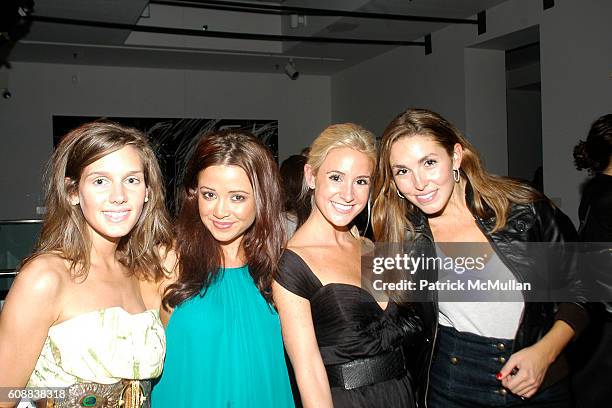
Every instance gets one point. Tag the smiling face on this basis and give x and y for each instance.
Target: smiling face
(111, 193)
(226, 202)
(423, 171)
(342, 185)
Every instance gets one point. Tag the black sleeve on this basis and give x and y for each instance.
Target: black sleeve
(295, 276)
(601, 215)
(558, 228)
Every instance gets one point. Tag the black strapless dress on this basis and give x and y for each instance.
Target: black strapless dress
(350, 325)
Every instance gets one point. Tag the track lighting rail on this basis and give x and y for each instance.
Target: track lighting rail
(308, 11)
(222, 34)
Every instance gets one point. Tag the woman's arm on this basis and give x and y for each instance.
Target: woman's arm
(533, 362)
(301, 344)
(570, 319)
(32, 306)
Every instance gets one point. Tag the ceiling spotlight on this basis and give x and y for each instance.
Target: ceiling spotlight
(291, 70)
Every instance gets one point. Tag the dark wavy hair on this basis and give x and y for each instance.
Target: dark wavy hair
(200, 255)
(594, 154)
(292, 177)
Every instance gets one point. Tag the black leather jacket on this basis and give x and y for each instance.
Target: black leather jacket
(535, 222)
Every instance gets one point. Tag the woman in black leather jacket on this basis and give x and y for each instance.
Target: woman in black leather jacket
(594, 352)
(431, 188)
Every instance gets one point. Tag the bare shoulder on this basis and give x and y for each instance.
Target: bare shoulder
(302, 240)
(39, 289)
(170, 263)
(169, 259)
(153, 290)
(44, 275)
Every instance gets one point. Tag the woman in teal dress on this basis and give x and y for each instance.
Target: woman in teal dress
(224, 344)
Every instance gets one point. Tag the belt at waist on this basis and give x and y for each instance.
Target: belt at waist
(367, 371)
(122, 394)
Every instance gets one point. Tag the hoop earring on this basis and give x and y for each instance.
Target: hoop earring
(456, 175)
(369, 207)
(399, 194)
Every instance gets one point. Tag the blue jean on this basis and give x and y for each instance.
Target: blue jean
(463, 375)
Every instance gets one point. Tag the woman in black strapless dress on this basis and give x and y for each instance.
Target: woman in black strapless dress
(347, 349)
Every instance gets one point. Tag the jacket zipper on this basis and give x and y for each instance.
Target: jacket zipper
(510, 268)
(501, 257)
(433, 341)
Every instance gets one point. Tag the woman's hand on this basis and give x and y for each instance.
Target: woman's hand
(529, 365)
(524, 372)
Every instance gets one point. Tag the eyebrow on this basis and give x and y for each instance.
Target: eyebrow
(232, 191)
(108, 174)
(344, 174)
(421, 160)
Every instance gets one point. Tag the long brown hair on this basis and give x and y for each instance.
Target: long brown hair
(200, 255)
(492, 194)
(64, 230)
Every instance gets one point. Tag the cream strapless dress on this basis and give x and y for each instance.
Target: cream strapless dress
(102, 346)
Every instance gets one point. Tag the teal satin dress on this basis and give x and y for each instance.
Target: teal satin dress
(224, 349)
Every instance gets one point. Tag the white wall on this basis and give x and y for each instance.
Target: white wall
(375, 91)
(576, 62)
(42, 90)
(485, 106)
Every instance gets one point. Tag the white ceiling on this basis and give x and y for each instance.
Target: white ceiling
(61, 43)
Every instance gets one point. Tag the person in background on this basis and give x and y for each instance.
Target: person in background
(224, 337)
(345, 347)
(432, 188)
(292, 177)
(83, 312)
(594, 351)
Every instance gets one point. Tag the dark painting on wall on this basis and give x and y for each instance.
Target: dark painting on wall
(174, 140)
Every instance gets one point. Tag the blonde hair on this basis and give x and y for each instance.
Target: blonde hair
(333, 137)
(64, 229)
(493, 194)
(341, 135)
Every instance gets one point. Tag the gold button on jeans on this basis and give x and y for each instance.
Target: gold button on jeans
(501, 346)
(454, 360)
(501, 359)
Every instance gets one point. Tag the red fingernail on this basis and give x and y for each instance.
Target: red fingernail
(498, 376)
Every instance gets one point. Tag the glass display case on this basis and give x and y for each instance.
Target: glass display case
(17, 240)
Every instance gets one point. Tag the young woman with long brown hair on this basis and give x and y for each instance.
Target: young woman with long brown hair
(432, 188)
(224, 340)
(347, 349)
(83, 310)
